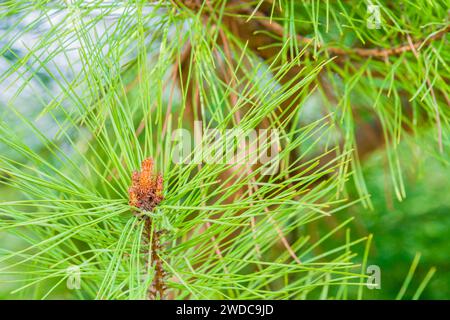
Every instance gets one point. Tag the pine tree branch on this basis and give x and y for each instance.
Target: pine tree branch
(145, 193)
(158, 286)
(277, 29)
(256, 34)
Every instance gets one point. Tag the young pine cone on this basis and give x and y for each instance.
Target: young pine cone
(146, 188)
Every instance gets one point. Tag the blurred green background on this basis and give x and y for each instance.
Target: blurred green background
(418, 224)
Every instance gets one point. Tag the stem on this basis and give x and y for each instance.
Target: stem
(152, 237)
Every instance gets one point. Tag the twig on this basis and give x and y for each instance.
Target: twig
(145, 193)
(158, 286)
(277, 29)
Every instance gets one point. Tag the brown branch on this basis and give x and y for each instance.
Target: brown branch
(277, 29)
(243, 10)
(383, 52)
(158, 287)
